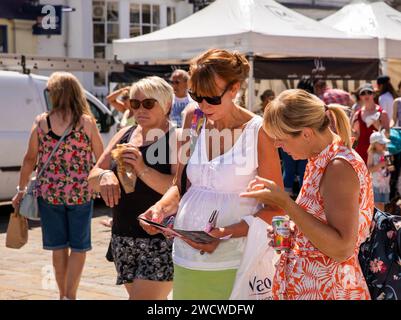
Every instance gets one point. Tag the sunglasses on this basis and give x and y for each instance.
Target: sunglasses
(364, 93)
(216, 100)
(146, 103)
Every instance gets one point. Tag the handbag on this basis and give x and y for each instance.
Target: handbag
(380, 257)
(17, 231)
(29, 204)
(255, 275)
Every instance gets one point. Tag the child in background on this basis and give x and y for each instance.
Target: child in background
(379, 168)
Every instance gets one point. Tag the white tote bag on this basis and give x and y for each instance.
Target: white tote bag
(255, 275)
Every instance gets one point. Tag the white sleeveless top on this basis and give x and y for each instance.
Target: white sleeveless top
(216, 185)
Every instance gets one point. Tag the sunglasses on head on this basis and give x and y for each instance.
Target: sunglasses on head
(216, 100)
(364, 93)
(146, 103)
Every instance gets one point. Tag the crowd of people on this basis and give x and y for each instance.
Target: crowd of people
(189, 156)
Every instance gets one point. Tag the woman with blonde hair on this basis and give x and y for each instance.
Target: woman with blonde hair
(333, 212)
(231, 149)
(143, 262)
(64, 197)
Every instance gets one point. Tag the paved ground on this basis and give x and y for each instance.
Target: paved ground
(26, 273)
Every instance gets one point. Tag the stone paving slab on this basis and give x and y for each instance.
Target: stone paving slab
(26, 273)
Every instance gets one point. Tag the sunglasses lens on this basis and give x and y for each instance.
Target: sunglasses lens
(195, 97)
(213, 100)
(148, 103)
(366, 93)
(135, 104)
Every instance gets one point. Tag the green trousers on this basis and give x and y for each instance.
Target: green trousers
(202, 285)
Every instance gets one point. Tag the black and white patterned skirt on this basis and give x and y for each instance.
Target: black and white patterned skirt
(141, 258)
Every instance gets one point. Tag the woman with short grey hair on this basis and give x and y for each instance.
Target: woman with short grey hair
(143, 262)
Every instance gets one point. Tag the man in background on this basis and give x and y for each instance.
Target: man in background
(179, 81)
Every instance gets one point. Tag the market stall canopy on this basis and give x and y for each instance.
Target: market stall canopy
(370, 19)
(261, 27)
(272, 68)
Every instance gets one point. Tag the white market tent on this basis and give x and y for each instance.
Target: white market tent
(254, 27)
(376, 19)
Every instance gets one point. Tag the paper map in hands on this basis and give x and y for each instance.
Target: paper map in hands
(195, 236)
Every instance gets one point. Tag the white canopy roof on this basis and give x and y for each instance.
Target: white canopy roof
(261, 27)
(370, 19)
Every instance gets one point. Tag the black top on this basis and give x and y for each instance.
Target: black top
(52, 134)
(130, 206)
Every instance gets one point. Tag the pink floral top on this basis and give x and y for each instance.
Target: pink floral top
(65, 179)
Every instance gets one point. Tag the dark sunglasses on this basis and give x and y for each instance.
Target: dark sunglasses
(216, 100)
(146, 103)
(364, 93)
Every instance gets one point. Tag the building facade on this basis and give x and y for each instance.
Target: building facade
(88, 28)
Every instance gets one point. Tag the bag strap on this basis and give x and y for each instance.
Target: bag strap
(53, 152)
(197, 121)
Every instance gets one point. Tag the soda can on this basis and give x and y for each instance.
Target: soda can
(282, 233)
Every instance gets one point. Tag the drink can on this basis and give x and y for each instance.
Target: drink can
(282, 233)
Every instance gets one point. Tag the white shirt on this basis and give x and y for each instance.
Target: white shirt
(386, 102)
(216, 185)
(178, 106)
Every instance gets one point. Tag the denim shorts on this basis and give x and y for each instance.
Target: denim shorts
(66, 226)
(381, 197)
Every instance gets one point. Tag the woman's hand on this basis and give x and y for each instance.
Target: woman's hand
(17, 200)
(156, 214)
(110, 189)
(267, 192)
(133, 157)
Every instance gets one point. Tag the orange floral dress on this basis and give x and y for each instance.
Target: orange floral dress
(305, 273)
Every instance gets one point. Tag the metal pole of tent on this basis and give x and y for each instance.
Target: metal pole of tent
(251, 82)
(383, 55)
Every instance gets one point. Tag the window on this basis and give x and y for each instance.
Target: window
(144, 18)
(105, 18)
(100, 79)
(171, 18)
(112, 21)
(3, 39)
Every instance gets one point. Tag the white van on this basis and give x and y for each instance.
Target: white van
(22, 98)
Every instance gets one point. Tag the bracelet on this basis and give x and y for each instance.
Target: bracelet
(23, 190)
(143, 173)
(103, 173)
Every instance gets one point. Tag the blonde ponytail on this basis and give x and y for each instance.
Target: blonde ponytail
(342, 123)
(296, 109)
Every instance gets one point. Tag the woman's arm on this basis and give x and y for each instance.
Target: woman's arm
(371, 166)
(385, 123)
(356, 128)
(395, 114)
(104, 181)
(340, 192)
(92, 131)
(29, 162)
(117, 104)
